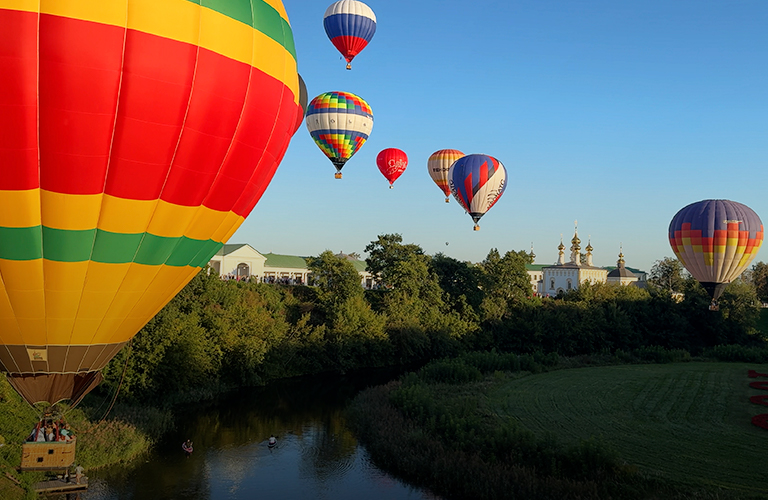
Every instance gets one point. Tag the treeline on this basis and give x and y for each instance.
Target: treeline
(221, 334)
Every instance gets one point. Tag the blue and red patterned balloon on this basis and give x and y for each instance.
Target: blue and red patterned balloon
(477, 182)
(715, 240)
(350, 25)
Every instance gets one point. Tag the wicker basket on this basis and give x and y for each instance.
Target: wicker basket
(44, 455)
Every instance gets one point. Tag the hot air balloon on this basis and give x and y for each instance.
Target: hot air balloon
(135, 137)
(350, 25)
(339, 123)
(392, 163)
(477, 182)
(715, 240)
(302, 102)
(438, 166)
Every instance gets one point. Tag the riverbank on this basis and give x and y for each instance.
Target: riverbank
(466, 429)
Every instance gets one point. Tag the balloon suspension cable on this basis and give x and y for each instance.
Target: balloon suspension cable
(122, 377)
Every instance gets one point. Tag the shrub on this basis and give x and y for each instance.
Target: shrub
(451, 371)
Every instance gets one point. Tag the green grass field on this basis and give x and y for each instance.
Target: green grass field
(687, 422)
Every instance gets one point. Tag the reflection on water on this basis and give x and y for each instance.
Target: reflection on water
(316, 457)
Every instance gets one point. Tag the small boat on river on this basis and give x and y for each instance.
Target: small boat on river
(187, 447)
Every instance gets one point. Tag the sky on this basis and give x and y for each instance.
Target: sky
(612, 114)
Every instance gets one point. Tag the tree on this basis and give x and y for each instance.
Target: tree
(385, 253)
(458, 279)
(504, 280)
(758, 276)
(668, 274)
(336, 277)
(740, 308)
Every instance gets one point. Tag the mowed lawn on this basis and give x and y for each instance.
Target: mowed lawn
(689, 422)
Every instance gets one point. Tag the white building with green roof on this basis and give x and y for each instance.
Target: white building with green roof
(238, 261)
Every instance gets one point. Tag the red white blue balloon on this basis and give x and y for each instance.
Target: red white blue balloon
(350, 25)
(477, 182)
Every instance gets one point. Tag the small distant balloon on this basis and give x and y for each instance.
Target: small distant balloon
(350, 25)
(392, 163)
(715, 240)
(438, 165)
(477, 182)
(339, 123)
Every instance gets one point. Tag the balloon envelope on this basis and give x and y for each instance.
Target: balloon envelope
(477, 182)
(438, 165)
(350, 25)
(135, 137)
(339, 123)
(392, 163)
(715, 240)
(302, 103)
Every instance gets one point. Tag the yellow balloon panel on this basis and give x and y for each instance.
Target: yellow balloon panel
(171, 220)
(20, 208)
(62, 211)
(214, 223)
(120, 215)
(158, 293)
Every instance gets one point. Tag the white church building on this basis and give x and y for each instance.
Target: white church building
(563, 276)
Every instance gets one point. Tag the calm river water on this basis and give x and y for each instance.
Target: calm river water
(316, 457)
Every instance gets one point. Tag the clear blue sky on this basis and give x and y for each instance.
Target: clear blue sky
(615, 113)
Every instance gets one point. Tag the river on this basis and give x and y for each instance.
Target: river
(317, 456)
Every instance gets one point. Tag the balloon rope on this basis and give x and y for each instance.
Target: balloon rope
(122, 377)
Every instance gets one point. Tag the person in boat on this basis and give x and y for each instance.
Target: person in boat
(187, 447)
(79, 473)
(272, 441)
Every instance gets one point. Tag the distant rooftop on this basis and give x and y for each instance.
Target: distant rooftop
(229, 248)
(286, 261)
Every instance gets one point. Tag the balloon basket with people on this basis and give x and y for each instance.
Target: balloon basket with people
(50, 445)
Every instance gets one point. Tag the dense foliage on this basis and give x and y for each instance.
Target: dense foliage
(220, 334)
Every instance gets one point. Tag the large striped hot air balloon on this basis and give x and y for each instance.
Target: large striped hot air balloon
(339, 123)
(135, 137)
(438, 165)
(350, 25)
(715, 240)
(477, 182)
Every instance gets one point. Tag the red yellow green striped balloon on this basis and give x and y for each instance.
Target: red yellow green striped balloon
(135, 137)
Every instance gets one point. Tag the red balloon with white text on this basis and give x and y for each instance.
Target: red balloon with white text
(392, 163)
